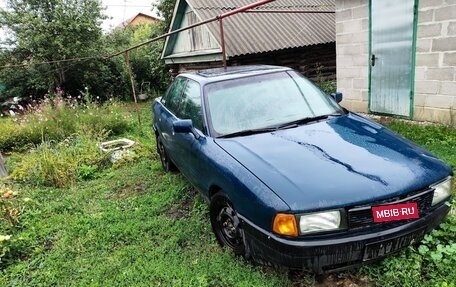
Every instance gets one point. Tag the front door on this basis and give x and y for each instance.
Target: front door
(392, 56)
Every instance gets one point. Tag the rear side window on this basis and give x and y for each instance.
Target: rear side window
(190, 106)
(172, 97)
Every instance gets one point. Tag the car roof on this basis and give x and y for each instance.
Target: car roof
(232, 72)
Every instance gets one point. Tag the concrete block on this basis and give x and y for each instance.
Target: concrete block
(345, 83)
(451, 30)
(418, 112)
(348, 49)
(442, 116)
(427, 59)
(440, 74)
(348, 72)
(425, 16)
(365, 24)
(360, 60)
(444, 44)
(365, 95)
(420, 73)
(429, 30)
(343, 15)
(360, 106)
(448, 88)
(427, 87)
(419, 100)
(361, 83)
(445, 13)
(449, 59)
(344, 61)
(423, 45)
(339, 28)
(353, 26)
(355, 106)
(438, 101)
(430, 3)
(361, 12)
(352, 38)
(354, 3)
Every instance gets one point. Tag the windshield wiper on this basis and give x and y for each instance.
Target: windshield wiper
(288, 125)
(305, 121)
(249, 132)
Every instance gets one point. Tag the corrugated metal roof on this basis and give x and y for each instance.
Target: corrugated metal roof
(248, 33)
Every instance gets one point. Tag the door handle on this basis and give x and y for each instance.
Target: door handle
(373, 60)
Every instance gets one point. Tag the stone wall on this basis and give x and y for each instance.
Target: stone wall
(435, 73)
(352, 38)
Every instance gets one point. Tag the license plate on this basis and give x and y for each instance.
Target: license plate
(402, 211)
(382, 248)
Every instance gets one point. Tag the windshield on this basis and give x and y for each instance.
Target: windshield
(264, 101)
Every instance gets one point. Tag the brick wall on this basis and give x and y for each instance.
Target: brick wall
(352, 38)
(435, 73)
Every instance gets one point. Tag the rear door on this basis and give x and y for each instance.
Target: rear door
(166, 115)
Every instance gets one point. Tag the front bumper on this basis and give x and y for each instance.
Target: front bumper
(341, 251)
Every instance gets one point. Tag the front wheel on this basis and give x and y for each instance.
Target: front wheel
(225, 224)
(166, 162)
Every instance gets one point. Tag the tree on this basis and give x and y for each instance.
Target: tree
(165, 10)
(48, 31)
(148, 68)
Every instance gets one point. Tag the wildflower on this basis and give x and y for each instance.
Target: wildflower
(5, 237)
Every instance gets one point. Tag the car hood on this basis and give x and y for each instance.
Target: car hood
(345, 160)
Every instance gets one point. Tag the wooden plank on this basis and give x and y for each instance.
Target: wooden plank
(3, 172)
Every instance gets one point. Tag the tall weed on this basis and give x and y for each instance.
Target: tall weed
(56, 119)
(61, 164)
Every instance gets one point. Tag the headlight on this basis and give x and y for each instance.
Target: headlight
(321, 221)
(442, 190)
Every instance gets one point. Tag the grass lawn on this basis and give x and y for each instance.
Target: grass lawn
(133, 225)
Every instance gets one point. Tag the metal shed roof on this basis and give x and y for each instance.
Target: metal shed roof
(251, 33)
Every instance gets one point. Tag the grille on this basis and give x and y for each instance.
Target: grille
(360, 217)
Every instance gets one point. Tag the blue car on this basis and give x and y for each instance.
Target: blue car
(292, 178)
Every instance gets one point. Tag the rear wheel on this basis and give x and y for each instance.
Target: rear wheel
(164, 159)
(225, 224)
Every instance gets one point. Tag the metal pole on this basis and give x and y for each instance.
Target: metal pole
(245, 8)
(222, 42)
(289, 11)
(127, 60)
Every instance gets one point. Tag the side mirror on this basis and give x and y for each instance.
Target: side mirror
(185, 127)
(337, 96)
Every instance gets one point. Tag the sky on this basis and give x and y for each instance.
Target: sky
(121, 10)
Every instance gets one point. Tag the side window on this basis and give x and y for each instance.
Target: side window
(190, 107)
(172, 97)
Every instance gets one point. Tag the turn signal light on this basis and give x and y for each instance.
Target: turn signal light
(285, 224)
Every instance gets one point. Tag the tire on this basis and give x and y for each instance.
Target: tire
(226, 224)
(166, 162)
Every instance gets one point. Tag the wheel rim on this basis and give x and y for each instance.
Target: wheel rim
(229, 227)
